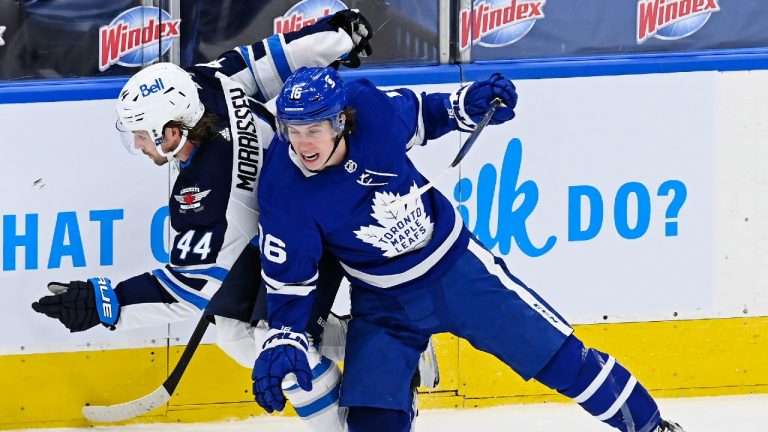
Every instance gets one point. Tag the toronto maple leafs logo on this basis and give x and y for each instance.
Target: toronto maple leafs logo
(191, 198)
(400, 229)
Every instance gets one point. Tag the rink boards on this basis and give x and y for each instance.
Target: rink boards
(630, 198)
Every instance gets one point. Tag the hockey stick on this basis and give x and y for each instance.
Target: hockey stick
(143, 405)
(462, 152)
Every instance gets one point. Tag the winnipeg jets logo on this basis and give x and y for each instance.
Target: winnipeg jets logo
(400, 229)
(191, 198)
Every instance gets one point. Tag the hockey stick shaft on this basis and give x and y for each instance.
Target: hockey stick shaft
(476, 133)
(186, 356)
(462, 152)
(161, 395)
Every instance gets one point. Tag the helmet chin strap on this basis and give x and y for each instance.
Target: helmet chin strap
(336, 143)
(171, 155)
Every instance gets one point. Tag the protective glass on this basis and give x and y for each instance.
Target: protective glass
(134, 141)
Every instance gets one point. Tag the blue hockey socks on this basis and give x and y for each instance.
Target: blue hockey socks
(602, 386)
(369, 419)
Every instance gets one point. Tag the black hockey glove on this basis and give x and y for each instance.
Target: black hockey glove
(359, 30)
(80, 305)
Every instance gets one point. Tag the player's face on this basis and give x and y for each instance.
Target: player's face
(144, 143)
(313, 143)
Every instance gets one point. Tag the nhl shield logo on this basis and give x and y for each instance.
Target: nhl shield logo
(350, 166)
(191, 199)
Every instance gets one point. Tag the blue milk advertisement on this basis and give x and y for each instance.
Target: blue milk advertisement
(599, 195)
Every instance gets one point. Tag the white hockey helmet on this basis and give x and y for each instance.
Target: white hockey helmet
(150, 99)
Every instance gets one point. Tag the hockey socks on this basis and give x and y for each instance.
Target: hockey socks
(319, 407)
(602, 386)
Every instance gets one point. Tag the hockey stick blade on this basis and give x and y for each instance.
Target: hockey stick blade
(462, 152)
(156, 399)
(127, 410)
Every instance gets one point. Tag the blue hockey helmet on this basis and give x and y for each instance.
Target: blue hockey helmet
(312, 95)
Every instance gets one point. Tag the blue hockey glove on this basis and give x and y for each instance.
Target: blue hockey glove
(359, 30)
(81, 305)
(284, 352)
(470, 103)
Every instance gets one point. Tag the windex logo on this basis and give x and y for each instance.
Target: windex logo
(132, 38)
(497, 23)
(672, 19)
(305, 13)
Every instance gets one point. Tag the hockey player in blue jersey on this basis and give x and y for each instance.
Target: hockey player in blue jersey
(333, 182)
(205, 120)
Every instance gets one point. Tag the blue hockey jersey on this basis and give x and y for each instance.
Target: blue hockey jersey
(345, 209)
(213, 206)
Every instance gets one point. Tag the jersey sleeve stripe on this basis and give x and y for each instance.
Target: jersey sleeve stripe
(292, 290)
(215, 272)
(245, 52)
(175, 288)
(189, 283)
(277, 53)
(275, 282)
(298, 289)
(206, 280)
(266, 72)
(253, 67)
(418, 134)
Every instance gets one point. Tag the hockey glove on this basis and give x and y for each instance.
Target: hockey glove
(470, 103)
(359, 30)
(284, 352)
(81, 305)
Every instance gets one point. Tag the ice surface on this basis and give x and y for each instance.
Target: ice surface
(711, 414)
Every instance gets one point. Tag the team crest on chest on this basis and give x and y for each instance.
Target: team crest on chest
(191, 199)
(400, 229)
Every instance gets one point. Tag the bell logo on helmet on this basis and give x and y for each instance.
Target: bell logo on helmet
(296, 92)
(148, 89)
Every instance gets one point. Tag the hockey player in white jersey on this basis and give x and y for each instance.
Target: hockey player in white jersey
(209, 119)
(333, 182)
